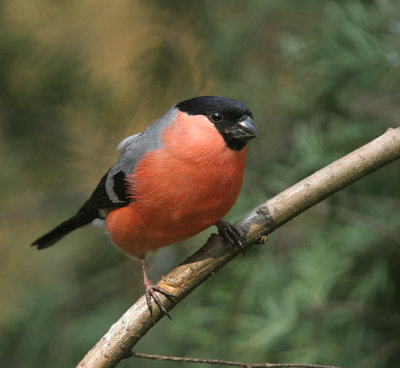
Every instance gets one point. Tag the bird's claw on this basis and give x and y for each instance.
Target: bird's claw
(150, 292)
(231, 235)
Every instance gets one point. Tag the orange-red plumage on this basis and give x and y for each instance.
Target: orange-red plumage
(174, 205)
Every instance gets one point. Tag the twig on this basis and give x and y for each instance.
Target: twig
(227, 362)
(117, 343)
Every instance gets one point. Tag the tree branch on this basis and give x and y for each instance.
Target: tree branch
(117, 343)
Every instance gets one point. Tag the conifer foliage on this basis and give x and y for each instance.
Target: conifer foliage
(322, 79)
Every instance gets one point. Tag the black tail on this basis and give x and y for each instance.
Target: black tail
(83, 217)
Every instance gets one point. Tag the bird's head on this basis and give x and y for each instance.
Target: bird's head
(232, 119)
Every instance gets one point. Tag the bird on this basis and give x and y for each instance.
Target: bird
(178, 177)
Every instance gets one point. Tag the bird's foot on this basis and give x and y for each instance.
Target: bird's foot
(150, 291)
(230, 234)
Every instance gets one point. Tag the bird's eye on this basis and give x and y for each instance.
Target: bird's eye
(216, 117)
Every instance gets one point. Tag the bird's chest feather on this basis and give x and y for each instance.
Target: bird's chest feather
(194, 176)
(187, 183)
(180, 189)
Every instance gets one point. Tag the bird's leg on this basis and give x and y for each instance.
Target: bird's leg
(150, 290)
(230, 234)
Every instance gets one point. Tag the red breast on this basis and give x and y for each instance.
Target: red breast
(180, 189)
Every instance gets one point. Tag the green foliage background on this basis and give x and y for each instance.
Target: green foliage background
(322, 78)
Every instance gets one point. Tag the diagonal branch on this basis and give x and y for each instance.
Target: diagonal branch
(117, 343)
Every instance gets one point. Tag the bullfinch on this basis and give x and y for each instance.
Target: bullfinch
(176, 178)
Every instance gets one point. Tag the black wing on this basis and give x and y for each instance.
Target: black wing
(90, 210)
(100, 198)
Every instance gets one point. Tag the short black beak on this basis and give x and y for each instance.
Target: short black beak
(243, 130)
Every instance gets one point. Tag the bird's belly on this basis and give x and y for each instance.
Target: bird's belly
(173, 205)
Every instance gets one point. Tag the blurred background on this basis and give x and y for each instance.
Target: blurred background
(322, 78)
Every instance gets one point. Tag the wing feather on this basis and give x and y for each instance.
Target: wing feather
(111, 192)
